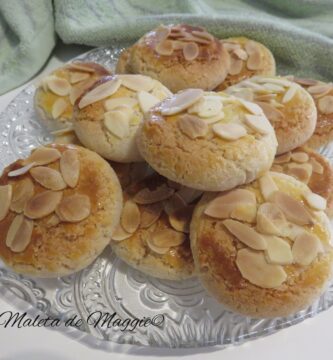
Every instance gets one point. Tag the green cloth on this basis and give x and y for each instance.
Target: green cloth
(299, 32)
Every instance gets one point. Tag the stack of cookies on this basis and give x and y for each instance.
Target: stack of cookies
(194, 159)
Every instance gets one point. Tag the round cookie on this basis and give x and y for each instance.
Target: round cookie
(311, 168)
(207, 141)
(247, 58)
(107, 116)
(56, 94)
(179, 56)
(322, 94)
(153, 232)
(289, 108)
(263, 249)
(58, 210)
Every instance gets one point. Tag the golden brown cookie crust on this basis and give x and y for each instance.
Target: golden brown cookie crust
(206, 71)
(215, 249)
(176, 263)
(64, 248)
(266, 68)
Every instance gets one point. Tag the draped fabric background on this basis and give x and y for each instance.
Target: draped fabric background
(299, 32)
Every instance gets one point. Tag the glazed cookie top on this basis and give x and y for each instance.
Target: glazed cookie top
(278, 227)
(247, 58)
(286, 104)
(181, 42)
(50, 204)
(309, 167)
(322, 94)
(214, 129)
(58, 91)
(115, 106)
(155, 223)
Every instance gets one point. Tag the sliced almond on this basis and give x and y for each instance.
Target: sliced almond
(49, 178)
(315, 201)
(274, 87)
(254, 61)
(116, 122)
(320, 88)
(267, 186)
(58, 108)
(157, 249)
(306, 248)
(271, 112)
(164, 47)
(175, 202)
(180, 101)
(21, 171)
(100, 92)
(19, 234)
(58, 86)
(192, 126)
(230, 46)
(222, 206)
(235, 66)
(74, 93)
(137, 82)
(150, 214)
(81, 67)
(246, 234)
(305, 82)
(325, 105)
(74, 208)
(259, 123)
(293, 230)
(23, 190)
(241, 54)
(167, 238)
(302, 172)
(42, 204)
(211, 106)
(52, 221)
(256, 270)
(251, 107)
(229, 131)
(300, 157)
(147, 196)
(293, 209)
(114, 103)
(5, 200)
(75, 77)
(43, 156)
(162, 32)
(147, 101)
(190, 51)
(180, 219)
(282, 159)
(120, 234)
(316, 166)
(130, 217)
(203, 34)
(278, 251)
(271, 220)
(245, 94)
(290, 93)
(70, 167)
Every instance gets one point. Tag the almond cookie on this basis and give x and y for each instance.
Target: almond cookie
(289, 108)
(207, 141)
(56, 94)
(263, 249)
(311, 168)
(153, 232)
(107, 116)
(247, 58)
(322, 94)
(179, 56)
(58, 210)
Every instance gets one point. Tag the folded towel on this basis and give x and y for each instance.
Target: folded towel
(299, 32)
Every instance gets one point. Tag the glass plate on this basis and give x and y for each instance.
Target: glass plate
(192, 318)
